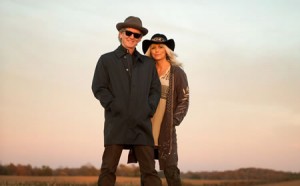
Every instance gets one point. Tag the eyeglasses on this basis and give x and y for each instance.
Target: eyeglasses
(135, 35)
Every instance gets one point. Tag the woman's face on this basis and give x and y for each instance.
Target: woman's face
(158, 52)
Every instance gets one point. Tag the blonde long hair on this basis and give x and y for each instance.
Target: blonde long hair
(171, 55)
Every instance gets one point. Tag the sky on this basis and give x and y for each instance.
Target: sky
(241, 58)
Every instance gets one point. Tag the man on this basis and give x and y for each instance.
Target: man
(127, 85)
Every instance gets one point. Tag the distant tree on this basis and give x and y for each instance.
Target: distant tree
(88, 170)
(45, 171)
(3, 170)
(11, 169)
(60, 172)
(23, 170)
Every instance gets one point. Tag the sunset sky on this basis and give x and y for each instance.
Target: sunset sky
(242, 59)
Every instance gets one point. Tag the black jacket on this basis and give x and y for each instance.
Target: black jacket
(128, 88)
(176, 109)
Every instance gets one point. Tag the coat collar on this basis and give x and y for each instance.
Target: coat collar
(121, 51)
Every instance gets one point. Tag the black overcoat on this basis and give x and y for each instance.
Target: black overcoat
(128, 88)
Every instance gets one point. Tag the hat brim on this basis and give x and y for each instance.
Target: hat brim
(169, 43)
(127, 25)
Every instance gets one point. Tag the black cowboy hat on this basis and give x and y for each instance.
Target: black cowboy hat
(158, 39)
(132, 22)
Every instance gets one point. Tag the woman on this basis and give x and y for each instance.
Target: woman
(173, 105)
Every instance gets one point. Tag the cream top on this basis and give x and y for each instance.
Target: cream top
(160, 111)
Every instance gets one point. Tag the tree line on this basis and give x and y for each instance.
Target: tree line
(266, 175)
(85, 170)
(133, 171)
(28, 170)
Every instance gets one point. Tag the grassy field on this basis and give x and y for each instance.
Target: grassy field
(288, 183)
(121, 181)
(90, 181)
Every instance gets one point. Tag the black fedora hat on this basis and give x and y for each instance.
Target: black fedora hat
(132, 22)
(158, 39)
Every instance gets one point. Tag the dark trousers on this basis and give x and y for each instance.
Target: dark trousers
(110, 161)
(172, 174)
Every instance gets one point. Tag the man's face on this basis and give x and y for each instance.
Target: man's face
(130, 38)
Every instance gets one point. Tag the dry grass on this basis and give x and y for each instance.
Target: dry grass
(121, 181)
(50, 179)
(85, 180)
(288, 183)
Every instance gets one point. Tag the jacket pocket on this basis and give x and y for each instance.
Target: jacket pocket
(116, 107)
